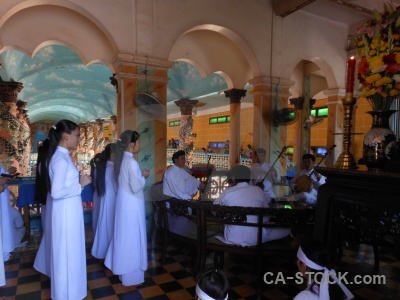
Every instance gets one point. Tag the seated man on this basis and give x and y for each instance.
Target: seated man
(178, 183)
(246, 195)
(306, 182)
(260, 169)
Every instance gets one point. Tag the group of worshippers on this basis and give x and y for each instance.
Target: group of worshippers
(120, 230)
(245, 191)
(312, 256)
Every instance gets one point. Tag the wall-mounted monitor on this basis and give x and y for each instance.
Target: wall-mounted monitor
(216, 145)
(319, 151)
(176, 142)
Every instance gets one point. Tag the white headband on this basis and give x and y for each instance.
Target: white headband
(324, 286)
(204, 296)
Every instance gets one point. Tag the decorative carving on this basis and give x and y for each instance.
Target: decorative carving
(235, 95)
(186, 106)
(99, 144)
(9, 91)
(114, 82)
(299, 103)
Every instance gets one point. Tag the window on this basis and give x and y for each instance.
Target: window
(174, 123)
(320, 111)
(219, 120)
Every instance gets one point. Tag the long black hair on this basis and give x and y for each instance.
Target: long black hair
(55, 135)
(128, 136)
(40, 184)
(100, 164)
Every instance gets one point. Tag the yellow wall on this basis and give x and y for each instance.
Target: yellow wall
(220, 132)
(206, 133)
(362, 121)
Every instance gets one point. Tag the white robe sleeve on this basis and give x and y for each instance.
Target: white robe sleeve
(60, 188)
(136, 179)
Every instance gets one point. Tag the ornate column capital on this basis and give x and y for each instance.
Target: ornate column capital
(114, 119)
(299, 103)
(186, 105)
(100, 122)
(9, 91)
(21, 106)
(235, 95)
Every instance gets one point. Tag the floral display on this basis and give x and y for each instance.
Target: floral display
(378, 45)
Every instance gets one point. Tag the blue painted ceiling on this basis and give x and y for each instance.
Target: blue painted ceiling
(56, 85)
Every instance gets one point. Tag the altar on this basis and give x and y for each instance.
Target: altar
(26, 197)
(359, 206)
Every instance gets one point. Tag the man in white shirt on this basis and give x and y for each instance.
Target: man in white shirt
(178, 183)
(306, 182)
(246, 195)
(260, 169)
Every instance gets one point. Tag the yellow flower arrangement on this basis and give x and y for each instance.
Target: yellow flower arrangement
(378, 45)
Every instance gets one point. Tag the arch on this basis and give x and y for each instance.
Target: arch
(226, 52)
(203, 72)
(325, 69)
(17, 23)
(247, 52)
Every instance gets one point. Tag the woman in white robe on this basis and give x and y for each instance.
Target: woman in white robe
(2, 272)
(64, 211)
(127, 254)
(105, 222)
(7, 227)
(42, 261)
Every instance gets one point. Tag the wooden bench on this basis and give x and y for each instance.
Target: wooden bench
(182, 210)
(212, 214)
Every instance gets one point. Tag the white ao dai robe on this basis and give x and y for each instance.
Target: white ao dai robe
(127, 254)
(105, 222)
(2, 272)
(65, 229)
(7, 227)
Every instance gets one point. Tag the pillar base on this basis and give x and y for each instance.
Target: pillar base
(345, 162)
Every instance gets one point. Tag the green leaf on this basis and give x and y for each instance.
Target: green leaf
(377, 15)
(397, 22)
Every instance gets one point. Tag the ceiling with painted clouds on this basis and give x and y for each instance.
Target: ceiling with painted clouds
(57, 85)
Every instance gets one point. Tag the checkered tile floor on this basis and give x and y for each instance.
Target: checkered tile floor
(175, 279)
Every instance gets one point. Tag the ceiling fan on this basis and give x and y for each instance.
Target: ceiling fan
(284, 116)
(312, 121)
(148, 103)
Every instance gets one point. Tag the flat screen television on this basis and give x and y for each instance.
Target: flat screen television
(320, 151)
(216, 145)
